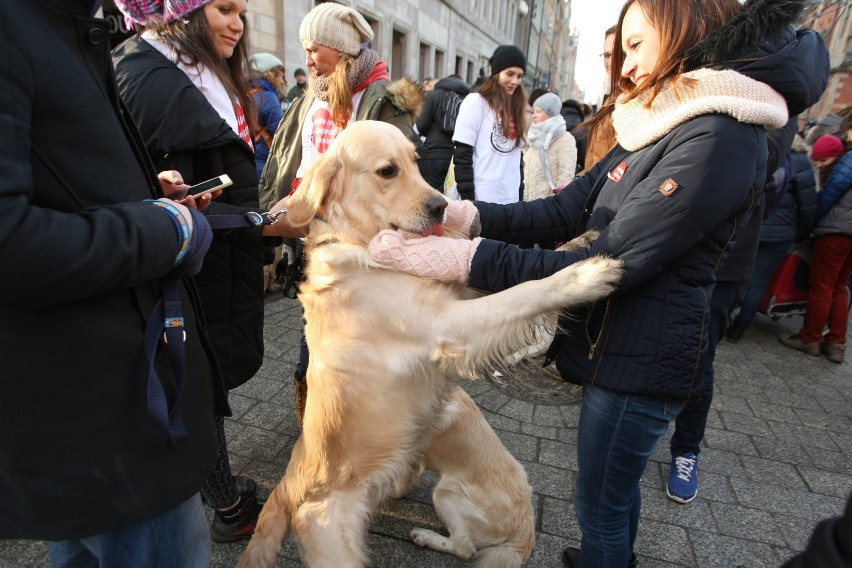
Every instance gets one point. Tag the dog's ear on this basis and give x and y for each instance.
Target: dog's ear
(308, 199)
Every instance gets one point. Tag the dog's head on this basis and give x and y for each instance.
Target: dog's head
(367, 181)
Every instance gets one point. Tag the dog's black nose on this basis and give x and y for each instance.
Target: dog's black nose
(436, 206)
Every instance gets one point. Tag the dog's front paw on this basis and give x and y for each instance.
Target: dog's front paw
(582, 242)
(592, 279)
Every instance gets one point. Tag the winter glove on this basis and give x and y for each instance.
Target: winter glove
(463, 216)
(437, 258)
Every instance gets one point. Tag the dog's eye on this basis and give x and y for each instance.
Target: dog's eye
(388, 171)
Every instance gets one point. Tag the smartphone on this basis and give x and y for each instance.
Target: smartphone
(220, 182)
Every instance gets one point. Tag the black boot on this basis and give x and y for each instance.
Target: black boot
(735, 331)
(571, 558)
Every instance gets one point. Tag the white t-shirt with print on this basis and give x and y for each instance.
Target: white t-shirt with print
(496, 160)
(319, 131)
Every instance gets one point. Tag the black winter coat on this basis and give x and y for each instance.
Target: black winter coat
(438, 144)
(794, 218)
(82, 256)
(183, 132)
(650, 337)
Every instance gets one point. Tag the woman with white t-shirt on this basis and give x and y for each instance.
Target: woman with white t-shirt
(489, 133)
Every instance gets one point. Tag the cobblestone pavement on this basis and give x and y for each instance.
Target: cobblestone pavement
(777, 458)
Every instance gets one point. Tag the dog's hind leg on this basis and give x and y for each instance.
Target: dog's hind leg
(273, 524)
(458, 515)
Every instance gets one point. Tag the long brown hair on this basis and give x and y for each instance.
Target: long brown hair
(681, 25)
(510, 108)
(339, 91)
(194, 44)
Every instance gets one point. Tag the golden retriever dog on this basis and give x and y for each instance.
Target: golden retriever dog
(385, 346)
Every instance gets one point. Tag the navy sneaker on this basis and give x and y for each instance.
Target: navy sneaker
(683, 478)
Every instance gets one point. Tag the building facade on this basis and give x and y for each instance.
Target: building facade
(833, 20)
(434, 38)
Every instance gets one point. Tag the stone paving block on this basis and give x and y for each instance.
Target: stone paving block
(781, 450)
(817, 507)
(665, 542)
(657, 506)
(550, 416)
(263, 444)
(795, 530)
(557, 454)
(559, 518)
(714, 487)
(571, 414)
(523, 448)
(830, 460)
(544, 432)
(824, 421)
(729, 441)
(740, 522)
(716, 551)
(721, 461)
(771, 498)
(519, 410)
(491, 400)
(745, 424)
(500, 422)
(550, 481)
(773, 473)
(773, 412)
(826, 483)
(264, 415)
(727, 403)
(843, 441)
(808, 437)
(794, 400)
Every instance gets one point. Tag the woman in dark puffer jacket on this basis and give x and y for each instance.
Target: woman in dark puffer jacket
(696, 85)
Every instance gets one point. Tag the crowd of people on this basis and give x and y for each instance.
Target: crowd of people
(156, 298)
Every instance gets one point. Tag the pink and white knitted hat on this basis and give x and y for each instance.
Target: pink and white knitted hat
(142, 11)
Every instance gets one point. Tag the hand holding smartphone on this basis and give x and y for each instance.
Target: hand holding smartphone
(215, 184)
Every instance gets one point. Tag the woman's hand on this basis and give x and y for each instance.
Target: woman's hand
(282, 227)
(172, 184)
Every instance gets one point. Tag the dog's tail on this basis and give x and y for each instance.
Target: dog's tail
(273, 524)
(506, 555)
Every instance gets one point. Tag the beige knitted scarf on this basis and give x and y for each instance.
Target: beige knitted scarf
(361, 68)
(722, 92)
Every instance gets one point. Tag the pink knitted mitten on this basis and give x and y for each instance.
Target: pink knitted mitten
(463, 216)
(438, 258)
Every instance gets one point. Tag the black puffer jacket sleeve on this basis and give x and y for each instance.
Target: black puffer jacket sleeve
(463, 165)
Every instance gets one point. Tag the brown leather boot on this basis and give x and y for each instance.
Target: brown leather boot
(301, 386)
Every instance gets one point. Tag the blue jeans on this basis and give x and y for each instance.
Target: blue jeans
(768, 257)
(178, 538)
(617, 435)
(692, 420)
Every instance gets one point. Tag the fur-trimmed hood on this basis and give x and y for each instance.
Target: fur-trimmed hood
(762, 43)
(407, 95)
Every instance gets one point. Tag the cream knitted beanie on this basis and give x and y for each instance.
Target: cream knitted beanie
(336, 26)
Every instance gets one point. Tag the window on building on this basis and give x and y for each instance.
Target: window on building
(397, 55)
(440, 72)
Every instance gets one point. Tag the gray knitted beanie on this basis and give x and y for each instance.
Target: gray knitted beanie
(336, 26)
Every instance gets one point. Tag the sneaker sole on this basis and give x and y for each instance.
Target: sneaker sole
(681, 500)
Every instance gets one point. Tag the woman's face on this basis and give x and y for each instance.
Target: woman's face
(225, 20)
(509, 79)
(322, 60)
(641, 44)
(538, 115)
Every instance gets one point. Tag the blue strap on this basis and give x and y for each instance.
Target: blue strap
(166, 321)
